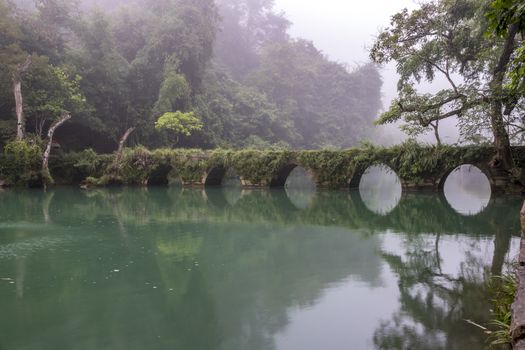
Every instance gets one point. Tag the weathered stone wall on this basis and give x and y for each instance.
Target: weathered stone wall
(419, 167)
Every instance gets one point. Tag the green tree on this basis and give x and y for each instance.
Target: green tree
(324, 103)
(51, 90)
(447, 38)
(106, 76)
(65, 99)
(233, 112)
(247, 26)
(179, 123)
(140, 59)
(505, 17)
(174, 94)
(15, 61)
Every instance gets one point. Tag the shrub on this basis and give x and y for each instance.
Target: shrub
(21, 163)
(503, 289)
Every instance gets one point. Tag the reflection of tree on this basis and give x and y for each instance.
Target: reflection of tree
(415, 213)
(226, 275)
(226, 286)
(435, 305)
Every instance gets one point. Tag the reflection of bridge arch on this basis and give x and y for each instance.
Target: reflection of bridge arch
(223, 197)
(360, 207)
(380, 188)
(415, 213)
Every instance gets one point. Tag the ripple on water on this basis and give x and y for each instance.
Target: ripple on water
(31, 246)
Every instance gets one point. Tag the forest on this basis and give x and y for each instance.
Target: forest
(99, 76)
(221, 74)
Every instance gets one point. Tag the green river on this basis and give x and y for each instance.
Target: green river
(225, 268)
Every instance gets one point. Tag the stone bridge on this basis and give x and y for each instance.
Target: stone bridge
(418, 168)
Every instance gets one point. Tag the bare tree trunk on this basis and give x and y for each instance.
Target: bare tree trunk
(501, 137)
(39, 126)
(45, 161)
(19, 102)
(121, 144)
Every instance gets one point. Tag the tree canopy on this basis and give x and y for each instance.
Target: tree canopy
(452, 39)
(117, 65)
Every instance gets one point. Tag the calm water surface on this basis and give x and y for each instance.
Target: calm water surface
(230, 269)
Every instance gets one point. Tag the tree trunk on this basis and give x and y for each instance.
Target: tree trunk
(121, 144)
(19, 102)
(501, 137)
(45, 161)
(436, 132)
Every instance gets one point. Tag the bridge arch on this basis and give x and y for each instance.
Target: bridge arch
(160, 176)
(281, 176)
(217, 176)
(480, 167)
(357, 176)
(467, 189)
(214, 176)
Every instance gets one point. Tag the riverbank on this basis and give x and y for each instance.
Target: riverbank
(518, 308)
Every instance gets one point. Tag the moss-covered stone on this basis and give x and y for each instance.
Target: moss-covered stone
(418, 166)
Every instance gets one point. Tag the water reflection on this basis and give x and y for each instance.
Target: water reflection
(187, 269)
(300, 188)
(380, 189)
(232, 194)
(468, 190)
(231, 179)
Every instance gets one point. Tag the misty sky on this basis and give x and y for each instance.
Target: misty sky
(344, 29)
(341, 28)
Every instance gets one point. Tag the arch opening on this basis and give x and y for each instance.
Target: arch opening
(300, 188)
(224, 177)
(215, 176)
(279, 179)
(380, 189)
(467, 189)
(160, 176)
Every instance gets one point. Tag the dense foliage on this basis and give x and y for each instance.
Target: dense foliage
(127, 63)
(454, 40)
(418, 166)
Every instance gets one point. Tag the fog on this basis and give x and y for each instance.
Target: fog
(344, 30)
(256, 73)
